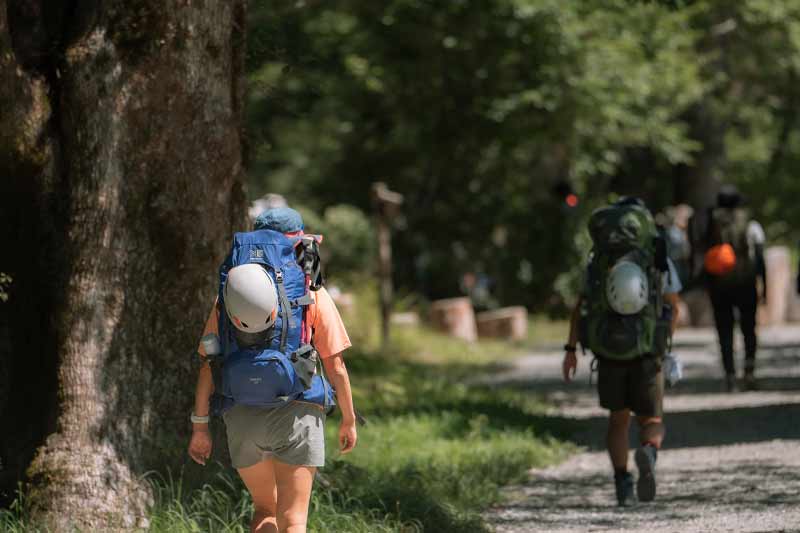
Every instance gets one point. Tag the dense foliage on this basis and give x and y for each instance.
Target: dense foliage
(475, 110)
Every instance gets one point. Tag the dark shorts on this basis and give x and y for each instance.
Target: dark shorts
(637, 385)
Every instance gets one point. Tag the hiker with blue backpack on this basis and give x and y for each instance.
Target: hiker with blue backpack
(271, 329)
(626, 316)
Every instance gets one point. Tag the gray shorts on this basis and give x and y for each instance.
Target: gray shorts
(293, 434)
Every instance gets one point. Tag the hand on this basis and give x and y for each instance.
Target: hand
(569, 366)
(348, 436)
(761, 291)
(200, 445)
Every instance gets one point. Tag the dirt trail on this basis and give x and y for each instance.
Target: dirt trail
(731, 462)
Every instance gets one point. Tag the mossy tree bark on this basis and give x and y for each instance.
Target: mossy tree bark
(121, 144)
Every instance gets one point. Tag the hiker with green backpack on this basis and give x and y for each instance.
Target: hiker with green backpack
(626, 316)
(736, 277)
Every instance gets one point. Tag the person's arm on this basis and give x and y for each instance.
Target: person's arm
(336, 371)
(761, 271)
(203, 392)
(673, 299)
(757, 239)
(200, 444)
(570, 364)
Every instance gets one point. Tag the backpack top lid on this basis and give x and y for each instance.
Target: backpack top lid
(264, 246)
(622, 226)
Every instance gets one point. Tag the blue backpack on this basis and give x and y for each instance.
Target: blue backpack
(281, 365)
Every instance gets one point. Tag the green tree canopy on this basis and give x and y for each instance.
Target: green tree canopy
(474, 110)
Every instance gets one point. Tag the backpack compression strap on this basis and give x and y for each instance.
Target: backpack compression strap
(287, 320)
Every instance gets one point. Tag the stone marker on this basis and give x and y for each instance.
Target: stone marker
(779, 283)
(506, 323)
(455, 317)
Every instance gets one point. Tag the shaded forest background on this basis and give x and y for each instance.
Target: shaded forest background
(476, 110)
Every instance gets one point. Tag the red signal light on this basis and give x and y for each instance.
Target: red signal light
(571, 200)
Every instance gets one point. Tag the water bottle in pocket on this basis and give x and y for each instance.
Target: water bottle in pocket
(673, 369)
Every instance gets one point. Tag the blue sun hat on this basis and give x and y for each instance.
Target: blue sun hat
(282, 219)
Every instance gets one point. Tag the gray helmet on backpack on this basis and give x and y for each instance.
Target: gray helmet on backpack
(627, 288)
(251, 300)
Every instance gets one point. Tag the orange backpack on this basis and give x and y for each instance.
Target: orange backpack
(720, 259)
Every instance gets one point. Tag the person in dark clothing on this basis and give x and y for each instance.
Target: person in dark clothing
(736, 274)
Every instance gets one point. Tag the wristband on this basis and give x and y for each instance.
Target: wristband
(199, 419)
(570, 348)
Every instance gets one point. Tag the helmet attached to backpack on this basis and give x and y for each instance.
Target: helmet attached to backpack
(251, 300)
(622, 300)
(627, 288)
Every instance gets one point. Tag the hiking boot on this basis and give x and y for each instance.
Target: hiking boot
(624, 486)
(646, 463)
(730, 383)
(750, 383)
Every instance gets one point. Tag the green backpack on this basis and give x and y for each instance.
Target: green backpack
(729, 226)
(624, 231)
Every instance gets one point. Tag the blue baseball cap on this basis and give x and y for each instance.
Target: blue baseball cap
(282, 219)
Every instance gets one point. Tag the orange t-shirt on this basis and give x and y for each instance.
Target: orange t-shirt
(328, 334)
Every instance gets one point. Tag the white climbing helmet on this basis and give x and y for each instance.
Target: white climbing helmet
(627, 288)
(251, 300)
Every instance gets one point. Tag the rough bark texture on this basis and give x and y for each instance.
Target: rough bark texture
(121, 137)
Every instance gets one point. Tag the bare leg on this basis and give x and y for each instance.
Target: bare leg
(651, 430)
(260, 482)
(617, 439)
(651, 433)
(294, 492)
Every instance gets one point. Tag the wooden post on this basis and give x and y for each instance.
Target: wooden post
(387, 205)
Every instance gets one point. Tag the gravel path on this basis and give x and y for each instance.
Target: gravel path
(731, 462)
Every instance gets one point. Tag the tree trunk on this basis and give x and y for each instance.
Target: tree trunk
(697, 184)
(122, 121)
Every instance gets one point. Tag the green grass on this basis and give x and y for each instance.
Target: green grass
(14, 519)
(434, 453)
(433, 456)
(546, 332)
(223, 505)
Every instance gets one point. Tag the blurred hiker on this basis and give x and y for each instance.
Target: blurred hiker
(735, 274)
(626, 316)
(679, 249)
(478, 287)
(271, 328)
